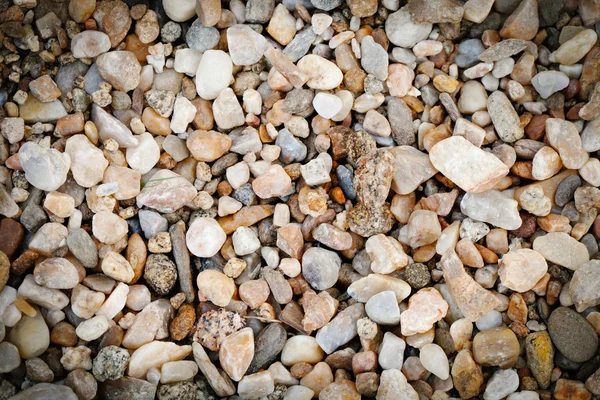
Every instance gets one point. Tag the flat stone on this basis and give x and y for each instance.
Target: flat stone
(505, 118)
(33, 111)
(562, 249)
(48, 390)
(492, 207)
(166, 192)
(90, 44)
(155, 354)
(365, 288)
(475, 170)
(501, 384)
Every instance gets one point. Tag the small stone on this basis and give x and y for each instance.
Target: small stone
(425, 308)
(46, 169)
(121, 69)
(246, 46)
(216, 287)
(472, 300)
(30, 335)
(282, 25)
(236, 353)
(117, 267)
(56, 273)
(474, 171)
(466, 375)
(227, 110)
(572, 334)
(111, 128)
(365, 288)
(180, 11)
(540, 357)
(93, 328)
(320, 268)
(318, 310)
(496, 347)
(90, 44)
(501, 384)
(200, 37)
(214, 74)
(393, 385)
(521, 269)
(341, 329)
(166, 192)
(60, 204)
(147, 28)
(386, 254)
(10, 357)
(374, 58)
(373, 178)
(523, 23)
(399, 80)
(327, 105)
(584, 286)
(155, 354)
(87, 161)
(274, 182)
(42, 390)
(505, 118)
(322, 74)
(567, 389)
(177, 371)
(332, 237)
(208, 145)
(256, 385)
(403, 32)
(547, 83)
(574, 49)
(492, 207)
(160, 273)
(562, 249)
(564, 137)
(434, 359)
(411, 169)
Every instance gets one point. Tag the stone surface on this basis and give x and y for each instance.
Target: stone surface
(521, 269)
(561, 249)
(572, 335)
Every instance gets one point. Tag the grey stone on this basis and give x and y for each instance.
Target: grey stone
(200, 37)
(374, 59)
(182, 261)
(45, 391)
(185, 390)
(400, 118)
(83, 247)
(127, 388)
(300, 44)
(259, 11)
(326, 5)
(267, 346)
(110, 363)
(292, 149)
(468, 53)
(572, 334)
(152, 223)
(566, 189)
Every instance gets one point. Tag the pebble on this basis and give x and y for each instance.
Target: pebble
(393, 384)
(505, 118)
(236, 353)
(30, 335)
(521, 269)
(572, 334)
(561, 249)
(496, 347)
(216, 287)
(274, 182)
(120, 69)
(178, 371)
(155, 354)
(501, 384)
(391, 353)
(87, 161)
(46, 169)
(246, 46)
(90, 44)
(486, 207)
(214, 74)
(564, 137)
(472, 300)
(403, 32)
(41, 390)
(111, 128)
(166, 192)
(540, 357)
(425, 308)
(341, 329)
(374, 58)
(434, 359)
(320, 268)
(574, 49)
(583, 286)
(322, 74)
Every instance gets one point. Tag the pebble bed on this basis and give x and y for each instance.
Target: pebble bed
(297, 199)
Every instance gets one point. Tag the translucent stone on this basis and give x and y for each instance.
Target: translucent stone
(492, 207)
(434, 359)
(521, 269)
(562, 249)
(155, 354)
(391, 352)
(425, 308)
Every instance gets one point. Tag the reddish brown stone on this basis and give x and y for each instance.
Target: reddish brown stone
(11, 236)
(24, 262)
(527, 228)
(183, 323)
(536, 127)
